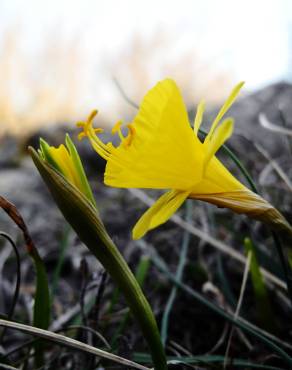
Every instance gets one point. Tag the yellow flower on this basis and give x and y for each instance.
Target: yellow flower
(66, 160)
(162, 151)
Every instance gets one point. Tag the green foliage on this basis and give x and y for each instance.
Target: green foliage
(42, 304)
(85, 221)
(263, 303)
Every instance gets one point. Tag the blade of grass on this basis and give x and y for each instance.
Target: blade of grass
(179, 273)
(17, 283)
(263, 303)
(7, 367)
(207, 360)
(238, 306)
(65, 329)
(64, 244)
(69, 342)
(42, 305)
(161, 265)
(225, 285)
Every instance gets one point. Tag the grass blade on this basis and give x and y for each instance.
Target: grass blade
(179, 273)
(263, 303)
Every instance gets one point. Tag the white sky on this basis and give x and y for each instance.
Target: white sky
(251, 38)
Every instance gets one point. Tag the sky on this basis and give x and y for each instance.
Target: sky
(245, 40)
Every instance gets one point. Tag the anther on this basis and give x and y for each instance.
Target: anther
(92, 115)
(117, 127)
(131, 134)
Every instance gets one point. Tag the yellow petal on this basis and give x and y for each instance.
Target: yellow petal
(217, 179)
(63, 161)
(159, 212)
(163, 152)
(224, 109)
(199, 116)
(223, 132)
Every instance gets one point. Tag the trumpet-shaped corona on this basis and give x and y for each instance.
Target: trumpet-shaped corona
(162, 151)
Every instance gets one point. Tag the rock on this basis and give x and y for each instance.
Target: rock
(25, 189)
(9, 152)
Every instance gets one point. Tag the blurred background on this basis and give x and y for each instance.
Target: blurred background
(59, 59)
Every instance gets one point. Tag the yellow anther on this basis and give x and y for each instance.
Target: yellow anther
(81, 135)
(128, 140)
(80, 124)
(98, 130)
(92, 115)
(117, 127)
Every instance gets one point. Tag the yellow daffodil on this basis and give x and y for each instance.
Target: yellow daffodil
(162, 151)
(66, 160)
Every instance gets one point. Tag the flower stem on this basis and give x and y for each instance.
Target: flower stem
(84, 219)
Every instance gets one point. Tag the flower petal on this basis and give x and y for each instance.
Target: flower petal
(159, 212)
(78, 170)
(223, 132)
(199, 116)
(163, 153)
(224, 109)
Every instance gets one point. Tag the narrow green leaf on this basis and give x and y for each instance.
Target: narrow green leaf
(179, 274)
(42, 304)
(206, 360)
(142, 269)
(162, 266)
(64, 244)
(225, 283)
(263, 303)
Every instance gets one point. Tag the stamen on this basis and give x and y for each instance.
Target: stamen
(81, 135)
(117, 129)
(98, 130)
(131, 134)
(92, 115)
(88, 130)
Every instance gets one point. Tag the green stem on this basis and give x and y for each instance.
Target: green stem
(117, 267)
(84, 219)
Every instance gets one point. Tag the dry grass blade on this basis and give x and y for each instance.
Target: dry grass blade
(7, 367)
(271, 161)
(272, 127)
(274, 165)
(13, 213)
(146, 247)
(69, 342)
(239, 304)
(222, 247)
